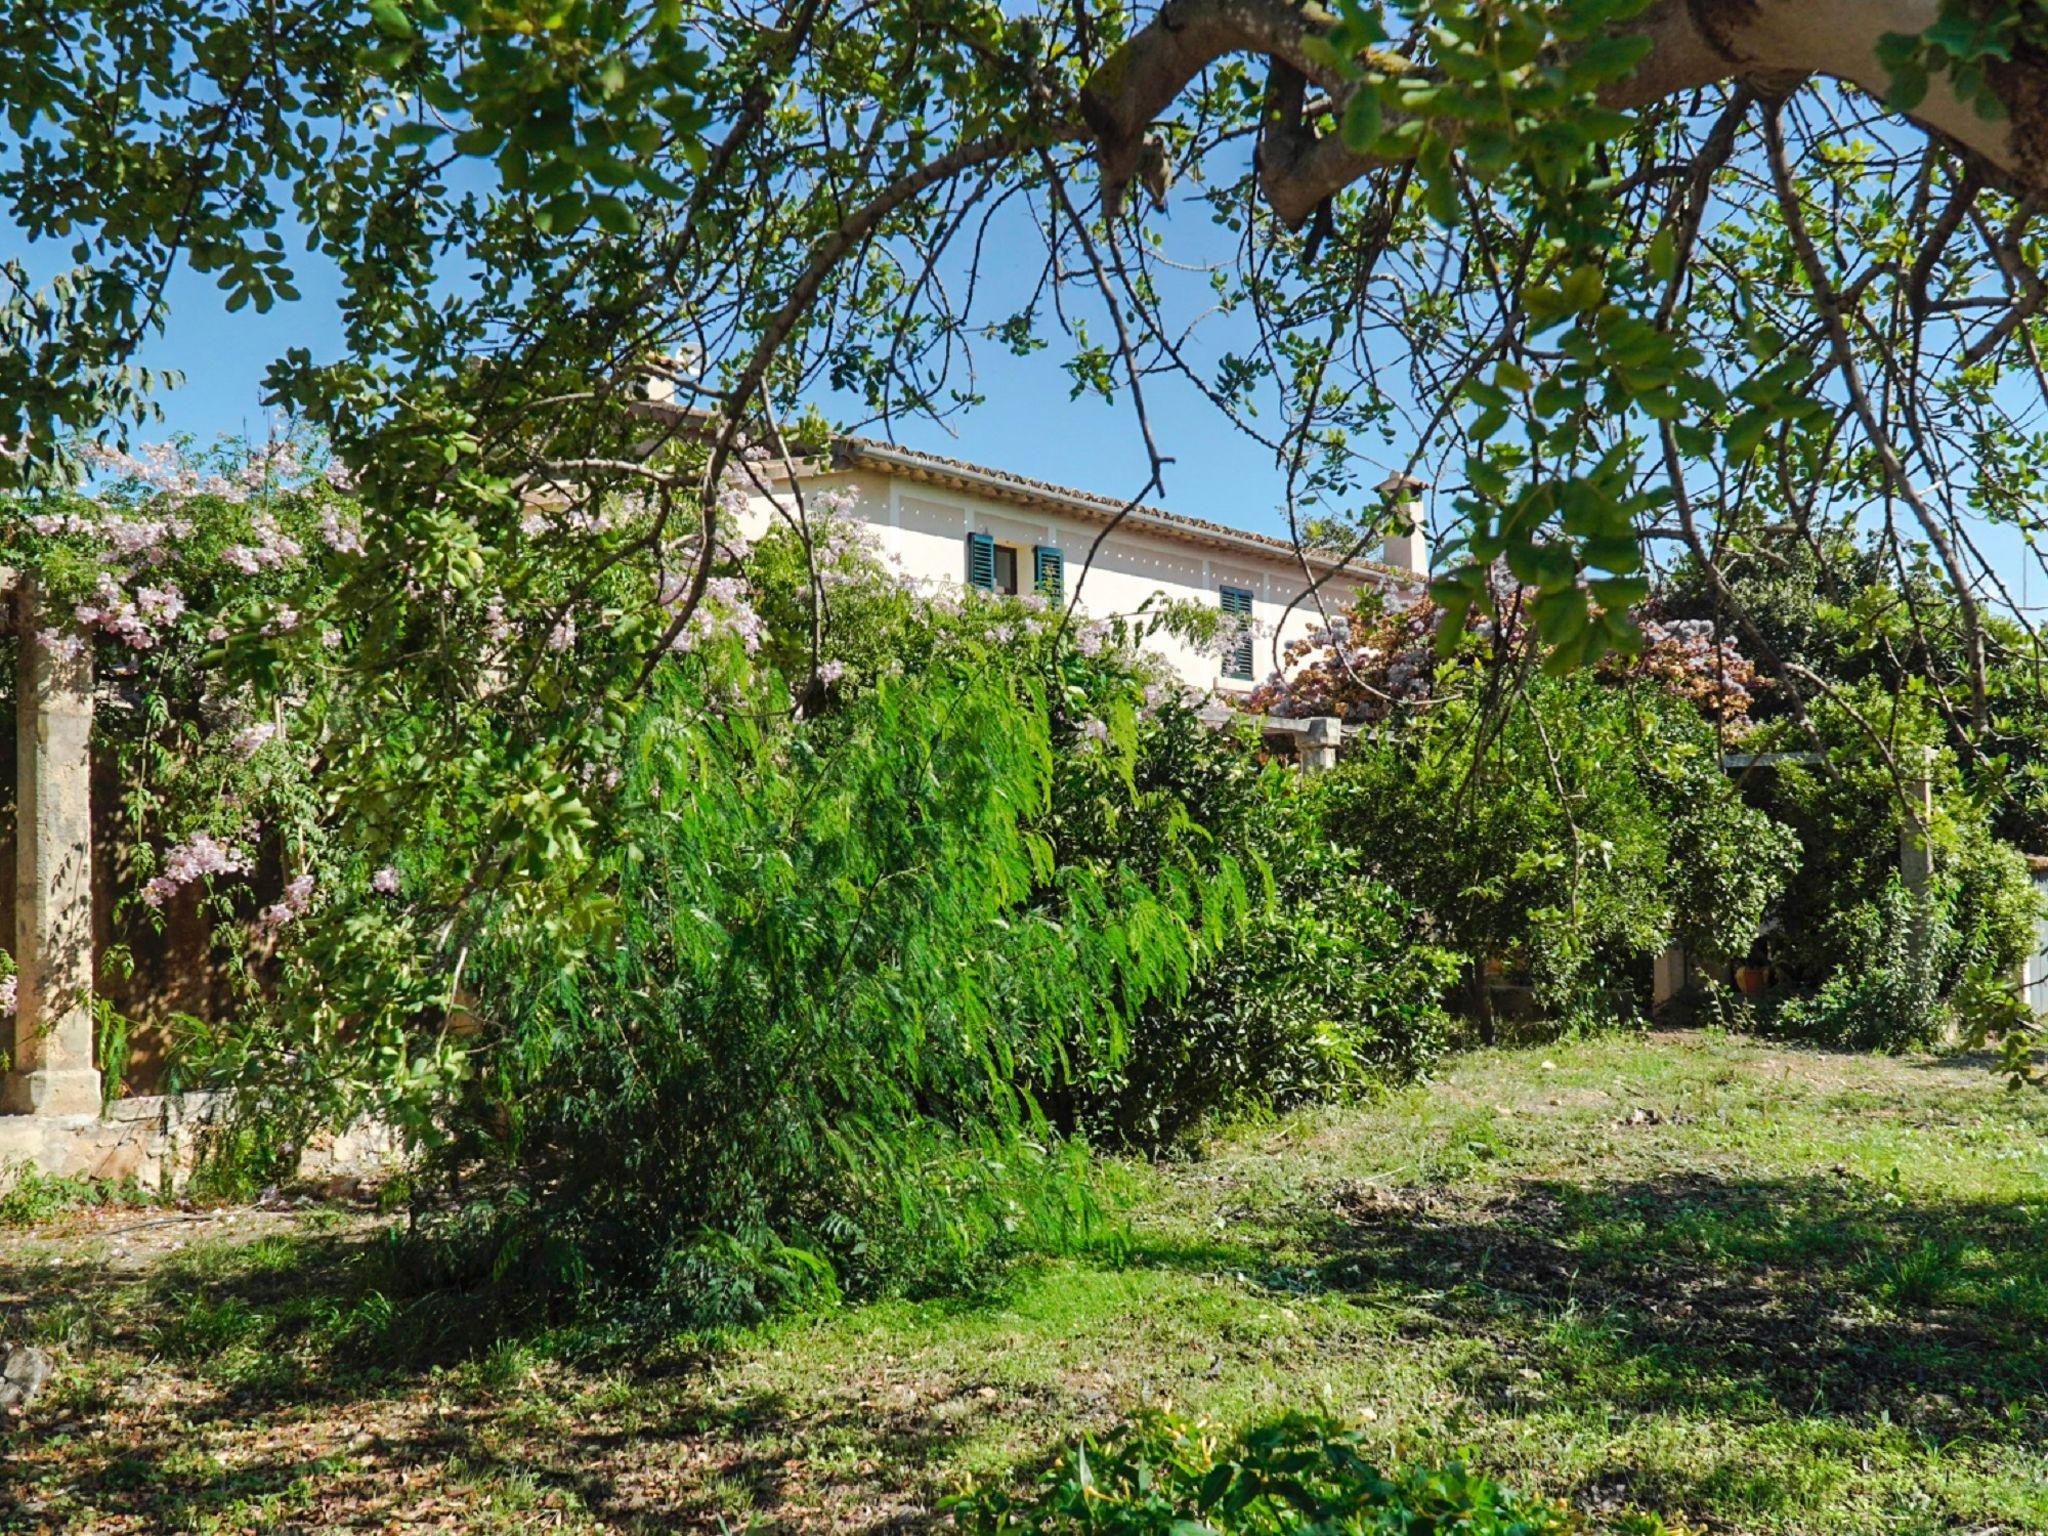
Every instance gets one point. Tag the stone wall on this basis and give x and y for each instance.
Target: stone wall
(155, 1139)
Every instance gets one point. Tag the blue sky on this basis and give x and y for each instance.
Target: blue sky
(1029, 423)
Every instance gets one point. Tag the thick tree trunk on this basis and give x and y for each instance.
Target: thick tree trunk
(1694, 43)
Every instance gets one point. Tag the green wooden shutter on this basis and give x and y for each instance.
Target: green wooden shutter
(981, 561)
(1237, 604)
(1049, 573)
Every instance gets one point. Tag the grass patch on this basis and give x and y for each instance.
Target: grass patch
(31, 1197)
(1749, 1288)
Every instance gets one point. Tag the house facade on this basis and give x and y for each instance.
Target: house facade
(944, 521)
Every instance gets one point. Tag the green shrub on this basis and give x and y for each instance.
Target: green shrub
(1328, 987)
(1168, 1476)
(1569, 832)
(841, 949)
(1876, 967)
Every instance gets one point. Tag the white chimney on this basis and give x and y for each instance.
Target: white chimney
(1407, 545)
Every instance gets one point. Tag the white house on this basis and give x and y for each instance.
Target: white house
(948, 521)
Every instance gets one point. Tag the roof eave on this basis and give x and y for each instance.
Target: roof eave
(853, 453)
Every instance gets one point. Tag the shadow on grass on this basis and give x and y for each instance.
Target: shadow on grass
(1824, 1303)
(393, 1399)
(1820, 1297)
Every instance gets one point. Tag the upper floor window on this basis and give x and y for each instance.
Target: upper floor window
(1236, 603)
(1049, 573)
(997, 567)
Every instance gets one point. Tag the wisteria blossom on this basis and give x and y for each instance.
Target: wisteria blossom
(159, 469)
(273, 548)
(133, 620)
(65, 645)
(727, 608)
(340, 533)
(297, 897)
(497, 627)
(199, 856)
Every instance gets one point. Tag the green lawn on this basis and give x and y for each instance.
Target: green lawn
(1752, 1288)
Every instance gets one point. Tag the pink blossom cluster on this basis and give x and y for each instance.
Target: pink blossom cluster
(385, 881)
(273, 548)
(340, 532)
(145, 540)
(297, 897)
(198, 857)
(65, 644)
(846, 549)
(535, 521)
(277, 459)
(158, 467)
(137, 540)
(1230, 636)
(727, 608)
(51, 524)
(10, 985)
(1358, 667)
(1690, 658)
(497, 627)
(133, 620)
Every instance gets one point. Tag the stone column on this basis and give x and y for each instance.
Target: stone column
(1667, 975)
(1317, 746)
(52, 1071)
(1916, 852)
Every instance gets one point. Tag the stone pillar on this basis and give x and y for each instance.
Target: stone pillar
(1317, 746)
(1916, 852)
(52, 1071)
(1667, 975)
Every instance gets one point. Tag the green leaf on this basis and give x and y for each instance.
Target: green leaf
(1747, 432)
(390, 18)
(1908, 88)
(412, 135)
(562, 213)
(1361, 125)
(1612, 57)
(1614, 554)
(1583, 289)
(1620, 591)
(614, 214)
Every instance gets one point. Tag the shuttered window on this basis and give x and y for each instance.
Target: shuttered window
(1049, 573)
(1237, 606)
(981, 561)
